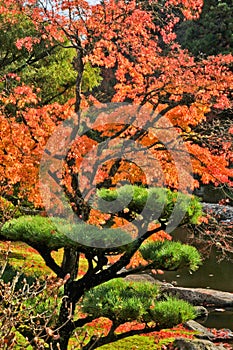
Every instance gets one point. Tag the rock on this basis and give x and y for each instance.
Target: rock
(198, 297)
(195, 296)
(203, 332)
(210, 334)
(222, 213)
(202, 296)
(140, 278)
(202, 312)
(197, 344)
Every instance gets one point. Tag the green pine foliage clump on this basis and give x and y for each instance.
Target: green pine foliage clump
(172, 311)
(170, 255)
(123, 301)
(58, 233)
(156, 202)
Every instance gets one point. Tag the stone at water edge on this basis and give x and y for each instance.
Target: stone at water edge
(222, 213)
(210, 334)
(202, 296)
(202, 312)
(196, 344)
(203, 332)
(195, 296)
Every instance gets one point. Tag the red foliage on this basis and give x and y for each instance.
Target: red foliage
(102, 326)
(123, 37)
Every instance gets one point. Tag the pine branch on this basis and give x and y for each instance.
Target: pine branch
(112, 337)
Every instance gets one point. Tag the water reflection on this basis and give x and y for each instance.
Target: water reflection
(219, 320)
(212, 274)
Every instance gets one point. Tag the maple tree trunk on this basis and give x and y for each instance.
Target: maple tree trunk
(79, 67)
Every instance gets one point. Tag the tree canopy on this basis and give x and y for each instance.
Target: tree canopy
(113, 166)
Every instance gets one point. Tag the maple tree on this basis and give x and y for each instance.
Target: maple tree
(147, 138)
(34, 65)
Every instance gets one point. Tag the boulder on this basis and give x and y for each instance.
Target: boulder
(197, 344)
(195, 296)
(210, 334)
(198, 297)
(201, 296)
(222, 213)
(142, 277)
(202, 312)
(202, 332)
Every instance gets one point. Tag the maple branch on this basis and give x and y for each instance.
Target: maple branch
(95, 135)
(66, 87)
(10, 61)
(79, 66)
(32, 60)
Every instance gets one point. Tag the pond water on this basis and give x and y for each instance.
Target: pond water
(212, 274)
(218, 320)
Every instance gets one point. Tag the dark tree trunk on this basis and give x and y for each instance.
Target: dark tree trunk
(79, 67)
